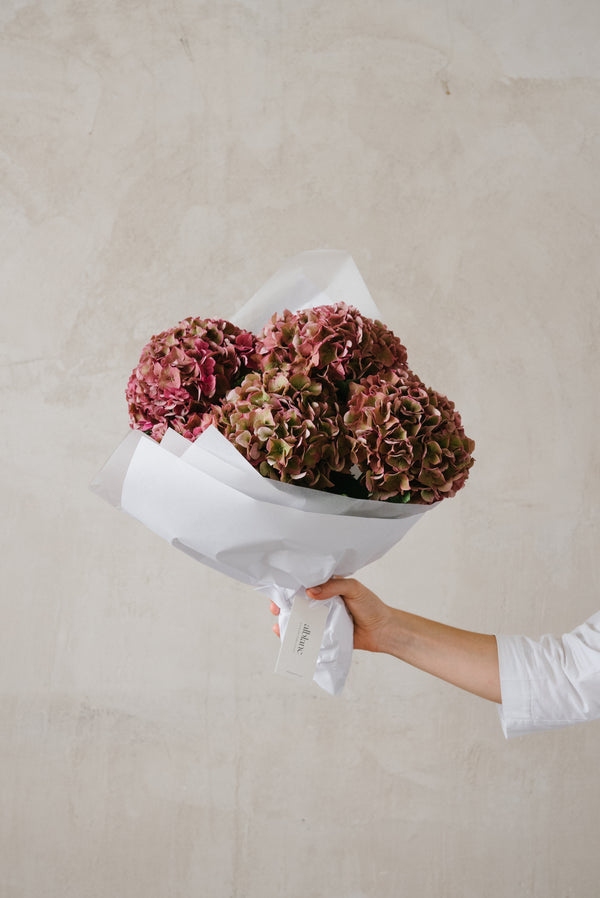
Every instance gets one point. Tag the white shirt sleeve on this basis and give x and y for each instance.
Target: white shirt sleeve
(552, 682)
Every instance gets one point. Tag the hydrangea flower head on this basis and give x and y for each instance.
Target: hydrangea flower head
(287, 426)
(335, 342)
(410, 443)
(183, 371)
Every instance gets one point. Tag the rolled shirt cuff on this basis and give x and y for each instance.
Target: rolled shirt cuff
(515, 712)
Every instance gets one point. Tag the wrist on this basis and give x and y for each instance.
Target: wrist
(385, 635)
(392, 634)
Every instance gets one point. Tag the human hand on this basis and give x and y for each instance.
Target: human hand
(369, 614)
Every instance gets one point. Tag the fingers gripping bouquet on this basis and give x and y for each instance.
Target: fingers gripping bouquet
(302, 431)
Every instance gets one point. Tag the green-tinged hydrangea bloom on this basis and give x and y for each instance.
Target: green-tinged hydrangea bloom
(410, 443)
(183, 371)
(287, 426)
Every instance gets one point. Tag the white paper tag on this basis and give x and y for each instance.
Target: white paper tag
(302, 640)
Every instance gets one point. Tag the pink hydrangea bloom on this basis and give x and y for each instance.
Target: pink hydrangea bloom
(183, 371)
(335, 342)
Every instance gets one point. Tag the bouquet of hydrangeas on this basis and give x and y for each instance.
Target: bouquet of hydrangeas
(310, 439)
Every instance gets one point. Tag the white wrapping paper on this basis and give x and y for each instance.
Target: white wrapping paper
(208, 501)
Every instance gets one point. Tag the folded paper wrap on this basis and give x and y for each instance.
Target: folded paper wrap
(207, 500)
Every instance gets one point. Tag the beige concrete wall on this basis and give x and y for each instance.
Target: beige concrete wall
(160, 159)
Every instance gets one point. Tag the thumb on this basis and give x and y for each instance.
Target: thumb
(336, 586)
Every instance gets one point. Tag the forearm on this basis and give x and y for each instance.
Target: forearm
(465, 659)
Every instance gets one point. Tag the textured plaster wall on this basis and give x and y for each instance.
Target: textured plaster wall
(160, 159)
